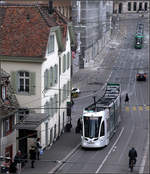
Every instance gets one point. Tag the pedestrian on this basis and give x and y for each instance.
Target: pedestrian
(126, 98)
(18, 161)
(38, 147)
(32, 152)
(13, 168)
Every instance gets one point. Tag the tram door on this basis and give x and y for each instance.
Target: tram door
(120, 7)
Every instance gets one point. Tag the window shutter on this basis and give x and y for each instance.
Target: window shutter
(14, 84)
(56, 79)
(32, 83)
(56, 96)
(65, 63)
(48, 78)
(67, 60)
(50, 107)
(54, 74)
(51, 76)
(45, 80)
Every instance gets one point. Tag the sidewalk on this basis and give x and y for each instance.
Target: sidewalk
(51, 159)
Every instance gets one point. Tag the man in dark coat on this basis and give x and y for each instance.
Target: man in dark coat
(32, 152)
(18, 161)
(38, 146)
(132, 155)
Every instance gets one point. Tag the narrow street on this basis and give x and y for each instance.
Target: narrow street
(119, 65)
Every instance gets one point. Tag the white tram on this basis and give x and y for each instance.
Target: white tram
(100, 119)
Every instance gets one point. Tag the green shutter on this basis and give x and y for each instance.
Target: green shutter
(48, 78)
(54, 75)
(13, 82)
(32, 83)
(59, 40)
(51, 76)
(56, 79)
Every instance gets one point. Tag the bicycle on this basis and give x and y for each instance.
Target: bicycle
(132, 162)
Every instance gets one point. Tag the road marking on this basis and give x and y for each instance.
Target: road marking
(127, 108)
(140, 108)
(144, 157)
(134, 108)
(64, 159)
(97, 171)
(147, 108)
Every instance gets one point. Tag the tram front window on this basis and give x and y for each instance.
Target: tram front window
(91, 126)
(138, 40)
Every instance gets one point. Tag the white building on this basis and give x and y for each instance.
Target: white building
(36, 51)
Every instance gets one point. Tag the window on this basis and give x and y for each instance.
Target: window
(23, 81)
(129, 6)
(51, 44)
(145, 6)
(22, 113)
(8, 125)
(140, 6)
(134, 6)
(102, 129)
(3, 92)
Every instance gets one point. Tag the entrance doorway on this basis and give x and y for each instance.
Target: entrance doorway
(120, 8)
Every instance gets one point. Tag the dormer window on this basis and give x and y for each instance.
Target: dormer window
(51, 44)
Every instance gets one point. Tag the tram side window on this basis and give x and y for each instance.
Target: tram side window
(102, 129)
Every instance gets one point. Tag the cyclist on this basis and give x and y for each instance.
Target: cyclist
(132, 155)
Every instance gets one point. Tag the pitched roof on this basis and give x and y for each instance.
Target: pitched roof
(25, 29)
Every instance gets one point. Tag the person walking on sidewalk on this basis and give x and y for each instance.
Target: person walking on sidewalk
(126, 98)
(38, 146)
(18, 161)
(32, 152)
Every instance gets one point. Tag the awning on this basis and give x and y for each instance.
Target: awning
(32, 121)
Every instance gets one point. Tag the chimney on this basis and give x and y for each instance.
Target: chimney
(50, 6)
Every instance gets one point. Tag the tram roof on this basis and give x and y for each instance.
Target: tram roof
(110, 95)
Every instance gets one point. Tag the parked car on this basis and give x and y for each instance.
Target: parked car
(141, 75)
(75, 92)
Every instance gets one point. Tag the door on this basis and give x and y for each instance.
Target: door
(120, 7)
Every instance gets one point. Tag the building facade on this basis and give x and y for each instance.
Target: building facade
(8, 108)
(38, 57)
(92, 22)
(132, 6)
